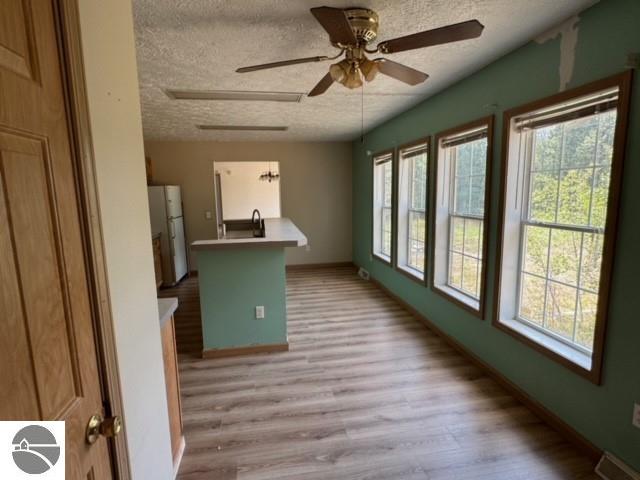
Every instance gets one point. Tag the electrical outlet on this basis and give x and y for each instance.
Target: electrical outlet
(208, 215)
(260, 311)
(636, 415)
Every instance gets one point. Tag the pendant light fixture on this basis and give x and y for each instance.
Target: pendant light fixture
(269, 175)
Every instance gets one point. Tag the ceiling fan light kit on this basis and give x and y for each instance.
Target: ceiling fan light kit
(352, 30)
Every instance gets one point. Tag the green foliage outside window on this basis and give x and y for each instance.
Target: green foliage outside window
(570, 170)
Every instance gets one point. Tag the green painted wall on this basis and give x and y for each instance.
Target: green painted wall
(232, 283)
(607, 32)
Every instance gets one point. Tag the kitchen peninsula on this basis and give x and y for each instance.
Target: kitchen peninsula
(241, 278)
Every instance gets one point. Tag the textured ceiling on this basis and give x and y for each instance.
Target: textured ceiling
(197, 44)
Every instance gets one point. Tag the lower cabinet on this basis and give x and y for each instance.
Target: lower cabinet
(173, 390)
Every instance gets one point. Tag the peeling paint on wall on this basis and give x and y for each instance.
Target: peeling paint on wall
(568, 32)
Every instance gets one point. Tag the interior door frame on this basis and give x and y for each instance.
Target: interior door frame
(72, 67)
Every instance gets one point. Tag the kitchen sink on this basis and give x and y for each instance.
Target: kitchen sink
(244, 229)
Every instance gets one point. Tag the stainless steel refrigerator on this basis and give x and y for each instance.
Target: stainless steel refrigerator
(165, 205)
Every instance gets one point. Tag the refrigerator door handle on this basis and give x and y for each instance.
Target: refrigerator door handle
(172, 229)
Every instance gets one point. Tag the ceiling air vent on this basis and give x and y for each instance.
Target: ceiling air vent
(244, 128)
(612, 468)
(234, 95)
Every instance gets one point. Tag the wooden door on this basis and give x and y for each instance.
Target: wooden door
(47, 348)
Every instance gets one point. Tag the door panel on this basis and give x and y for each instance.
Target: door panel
(44, 298)
(15, 347)
(17, 52)
(47, 341)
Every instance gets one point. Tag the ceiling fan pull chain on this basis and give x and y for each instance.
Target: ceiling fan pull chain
(362, 114)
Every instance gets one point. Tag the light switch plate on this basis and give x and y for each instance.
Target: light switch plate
(636, 415)
(260, 311)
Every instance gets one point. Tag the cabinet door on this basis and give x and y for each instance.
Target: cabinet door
(173, 385)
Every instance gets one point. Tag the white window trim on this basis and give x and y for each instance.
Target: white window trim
(442, 221)
(516, 204)
(378, 207)
(405, 190)
(549, 342)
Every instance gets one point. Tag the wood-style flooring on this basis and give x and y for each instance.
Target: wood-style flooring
(365, 392)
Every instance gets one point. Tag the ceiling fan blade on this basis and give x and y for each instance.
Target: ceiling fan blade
(335, 22)
(284, 63)
(400, 72)
(437, 36)
(321, 86)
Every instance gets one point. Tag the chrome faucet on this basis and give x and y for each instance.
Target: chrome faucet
(253, 221)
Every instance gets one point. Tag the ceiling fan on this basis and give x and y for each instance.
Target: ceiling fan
(351, 30)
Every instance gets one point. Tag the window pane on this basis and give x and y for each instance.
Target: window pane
(476, 199)
(580, 142)
(467, 202)
(569, 182)
(417, 225)
(543, 195)
(586, 321)
(415, 257)
(455, 270)
(419, 179)
(547, 148)
(532, 298)
(463, 160)
(605, 138)
(457, 234)
(536, 245)
(601, 182)
(462, 195)
(575, 196)
(387, 184)
(479, 157)
(591, 261)
(564, 256)
(386, 231)
(411, 213)
(472, 237)
(470, 276)
(561, 304)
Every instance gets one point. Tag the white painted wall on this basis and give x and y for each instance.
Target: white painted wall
(242, 189)
(112, 86)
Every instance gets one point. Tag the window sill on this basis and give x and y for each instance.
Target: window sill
(382, 258)
(459, 298)
(412, 273)
(548, 344)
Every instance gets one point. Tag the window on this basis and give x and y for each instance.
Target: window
(460, 243)
(412, 200)
(559, 225)
(382, 205)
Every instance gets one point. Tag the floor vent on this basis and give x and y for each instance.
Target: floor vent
(612, 468)
(363, 274)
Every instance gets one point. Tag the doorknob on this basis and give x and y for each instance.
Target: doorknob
(107, 427)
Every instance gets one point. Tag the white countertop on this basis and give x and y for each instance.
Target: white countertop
(166, 307)
(279, 232)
